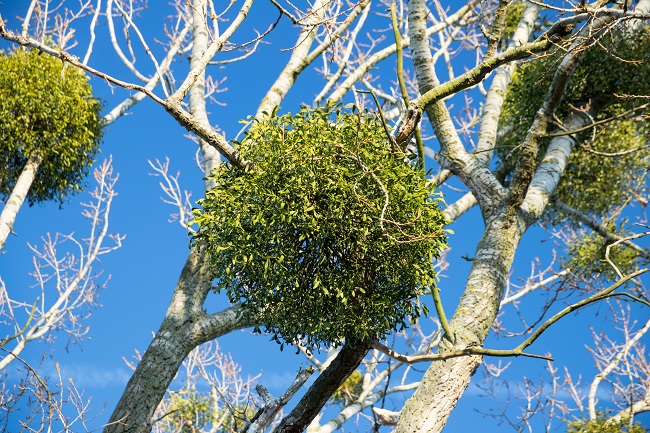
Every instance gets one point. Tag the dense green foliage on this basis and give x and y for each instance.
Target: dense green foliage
(46, 107)
(600, 173)
(328, 234)
(602, 425)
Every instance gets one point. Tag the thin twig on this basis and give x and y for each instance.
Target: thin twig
(519, 350)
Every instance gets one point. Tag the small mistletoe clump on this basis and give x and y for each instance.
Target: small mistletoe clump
(328, 234)
(47, 109)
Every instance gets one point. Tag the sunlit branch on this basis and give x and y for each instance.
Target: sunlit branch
(405, 97)
(93, 24)
(72, 276)
(286, 13)
(459, 207)
(359, 405)
(372, 60)
(609, 367)
(247, 54)
(6, 301)
(144, 44)
(296, 63)
(343, 61)
(125, 105)
(493, 35)
(487, 135)
(207, 56)
(443, 51)
(28, 42)
(176, 197)
(519, 350)
(532, 188)
(530, 287)
(383, 95)
(602, 122)
(116, 44)
(28, 18)
(620, 241)
(639, 406)
(334, 36)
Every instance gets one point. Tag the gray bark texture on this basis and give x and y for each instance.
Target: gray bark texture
(210, 155)
(185, 326)
(347, 360)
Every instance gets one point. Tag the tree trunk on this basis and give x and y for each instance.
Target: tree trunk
(445, 381)
(18, 195)
(507, 215)
(185, 326)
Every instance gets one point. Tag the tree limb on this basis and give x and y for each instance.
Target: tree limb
(519, 350)
(327, 382)
(264, 417)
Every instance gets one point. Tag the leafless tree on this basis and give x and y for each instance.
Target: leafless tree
(68, 275)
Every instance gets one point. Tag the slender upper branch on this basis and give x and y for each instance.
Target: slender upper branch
(209, 53)
(519, 350)
(375, 58)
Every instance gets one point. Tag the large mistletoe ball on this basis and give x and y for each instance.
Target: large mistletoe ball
(46, 107)
(328, 234)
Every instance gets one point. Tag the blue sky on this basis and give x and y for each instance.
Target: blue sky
(144, 271)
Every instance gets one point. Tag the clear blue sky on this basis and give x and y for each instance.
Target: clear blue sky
(144, 271)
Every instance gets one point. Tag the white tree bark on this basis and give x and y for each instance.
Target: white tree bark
(452, 154)
(209, 154)
(18, 196)
(296, 62)
(487, 135)
(445, 381)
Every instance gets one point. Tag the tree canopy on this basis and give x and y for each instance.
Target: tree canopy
(614, 66)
